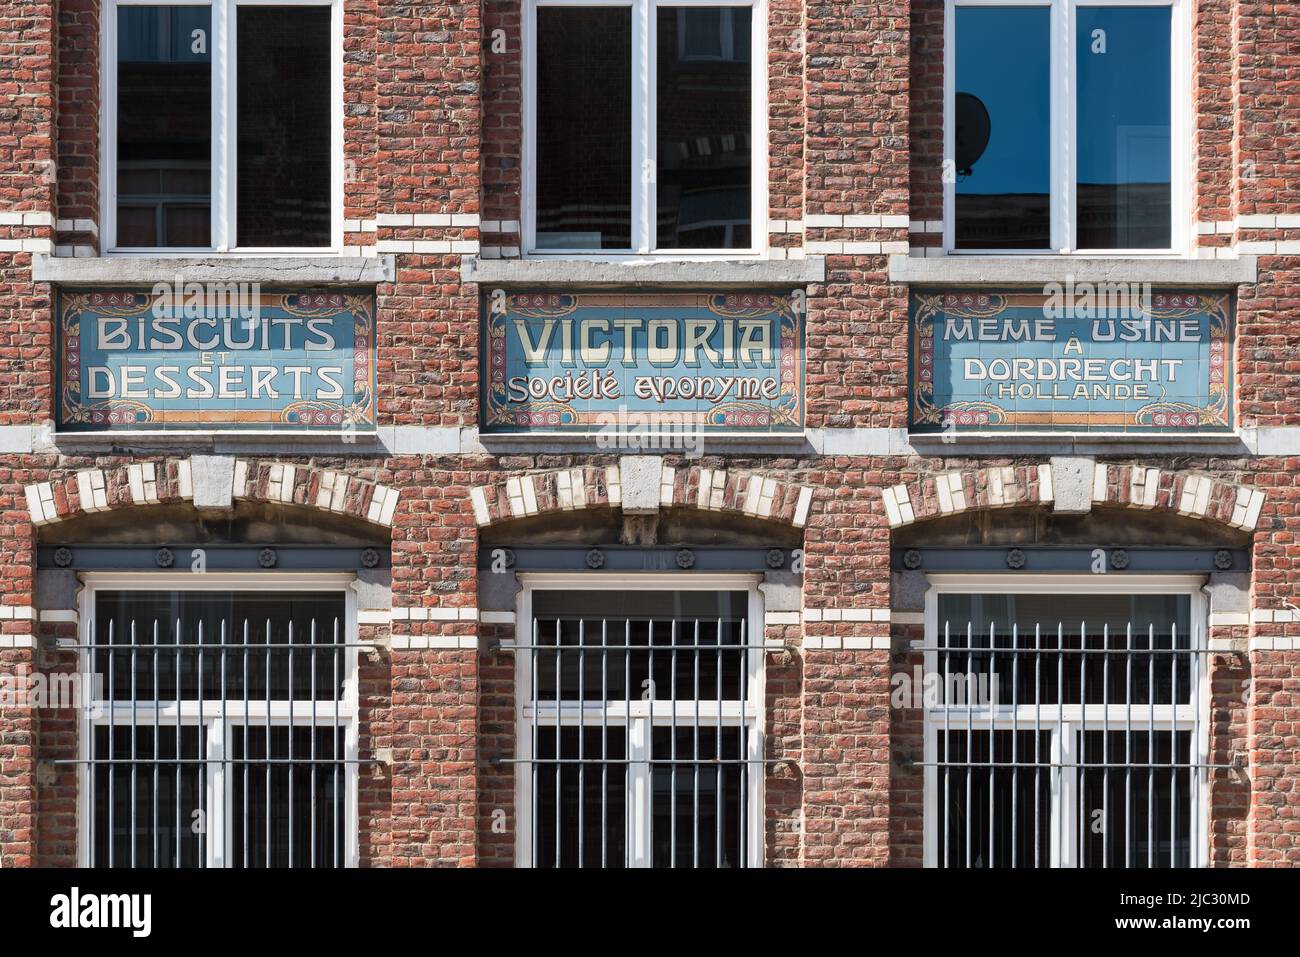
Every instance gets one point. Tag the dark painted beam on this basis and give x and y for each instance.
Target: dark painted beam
(1126, 560)
(215, 558)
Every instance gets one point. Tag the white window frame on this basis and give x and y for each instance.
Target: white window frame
(223, 716)
(644, 139)
(1182, 116)
(641, 714)
(1064, 798)
(224, 188)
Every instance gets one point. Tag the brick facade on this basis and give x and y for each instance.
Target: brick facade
(433, 162)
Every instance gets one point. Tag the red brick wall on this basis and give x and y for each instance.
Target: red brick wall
(432, 125)
(434, 708)
(498, 822)
(56, 791)
(1230, 686)
(907, 751)
(361, 116)
(786, 117)
(1214, 155)
(18, 730)
(502, 146)
(27, 185)
(784, 821)
(78, 128)
(375, 737)
(1274, 821)
(18, 725)
(442, 716)
(926, 97)
(1273, 725)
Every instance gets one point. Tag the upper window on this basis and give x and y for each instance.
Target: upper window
(642, 128)
(220, 126)
(1067, 146)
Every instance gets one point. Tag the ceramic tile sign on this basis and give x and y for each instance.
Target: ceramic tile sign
(216, 357)
(584, 362)
(1080, 359)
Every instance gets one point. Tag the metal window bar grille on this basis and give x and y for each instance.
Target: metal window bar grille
(220, 743)
(639, 745)
(1066, 747)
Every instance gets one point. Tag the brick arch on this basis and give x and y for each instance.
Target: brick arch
(595, 486)
(155, 483)
(1126, 485)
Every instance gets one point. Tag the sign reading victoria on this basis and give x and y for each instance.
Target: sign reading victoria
(216, 357)
(695, 361)
(1080, 359)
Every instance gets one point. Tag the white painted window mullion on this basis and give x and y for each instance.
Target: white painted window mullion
(216, 789)
(639, 793)
(1059, 819)
(643, 125)
(108, 126)
(1182, 121)
(1062, 125)
(338, 159)
(222, 43)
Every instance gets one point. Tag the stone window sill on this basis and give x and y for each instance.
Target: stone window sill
(639, 272)
(298, 271)
(1037, 270)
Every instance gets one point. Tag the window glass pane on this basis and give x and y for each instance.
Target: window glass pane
(703, 123)
(1063, 626)
(699, 814)
(1147, 811)
(314, 789)
(166, 787)
(197, 619)
(652, 623)
(184, 223)
(635, 603)
(1002, 137)
(164, 126)
(978, 787)
(592, 797)
(700, 36)
(1123, 127)
(584, 128)
(283, 72)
